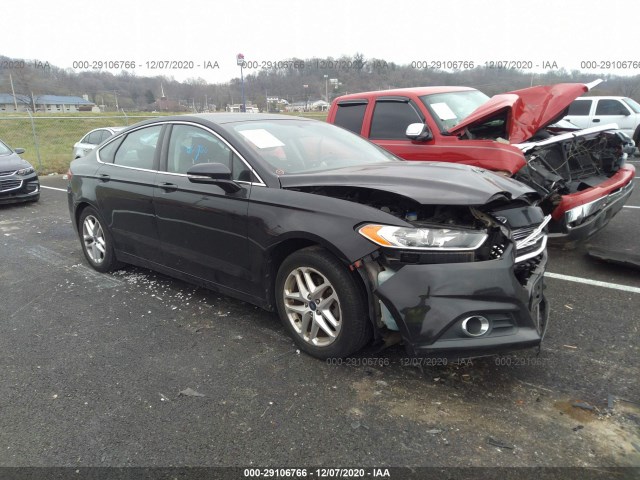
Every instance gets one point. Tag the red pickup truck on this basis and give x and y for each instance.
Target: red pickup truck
(582, 175)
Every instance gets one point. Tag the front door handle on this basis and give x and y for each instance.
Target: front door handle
(168, 187)
(596, 120)
(104, 177)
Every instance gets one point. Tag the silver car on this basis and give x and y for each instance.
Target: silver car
(92, 139)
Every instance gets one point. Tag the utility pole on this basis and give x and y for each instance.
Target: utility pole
(240, 61)
(13, 92)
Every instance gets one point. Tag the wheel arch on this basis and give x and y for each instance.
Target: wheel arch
(283, 249)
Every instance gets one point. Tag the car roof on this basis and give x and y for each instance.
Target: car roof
(226, 117)
(417, 91)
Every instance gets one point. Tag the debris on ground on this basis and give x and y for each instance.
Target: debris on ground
(163, 398)
(578, 427)
(499, 443)
(189, 392)
(583, 405)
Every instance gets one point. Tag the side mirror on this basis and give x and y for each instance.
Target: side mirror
(19, 151)
(419, 132)
(215, 174)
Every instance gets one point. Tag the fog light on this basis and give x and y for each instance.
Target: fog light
(475, 326)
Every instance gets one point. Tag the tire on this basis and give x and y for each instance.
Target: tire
(335, 323)
(96, 241)
(636, 138)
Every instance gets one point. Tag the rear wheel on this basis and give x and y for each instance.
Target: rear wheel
(97, 243)
(320, 304)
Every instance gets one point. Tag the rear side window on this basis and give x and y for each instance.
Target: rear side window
(138, 149)
(391, 119)
(108, 152)
(580, 107)
(350, 115)
(611, 107)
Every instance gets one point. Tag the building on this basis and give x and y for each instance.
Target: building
(237, 107)
(44, 103)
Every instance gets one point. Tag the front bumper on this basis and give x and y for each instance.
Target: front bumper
(15, 189)
(429, 303)
(596, 206)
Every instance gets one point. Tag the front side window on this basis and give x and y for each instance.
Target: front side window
(611, 107)
(631, 103)
(192, 145)
(138, 149)
(391, 119)
(580, 108)
(95, 138)
(4, 150)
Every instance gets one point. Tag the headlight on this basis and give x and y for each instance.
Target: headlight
(25, 171)
(423, 238)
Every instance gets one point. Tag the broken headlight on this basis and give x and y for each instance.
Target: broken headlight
(423, 238)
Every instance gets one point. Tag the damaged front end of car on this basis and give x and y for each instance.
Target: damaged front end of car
(582, 177)
(455, 281)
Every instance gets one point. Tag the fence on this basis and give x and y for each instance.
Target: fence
(48, 140)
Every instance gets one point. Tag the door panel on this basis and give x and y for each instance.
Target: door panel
(125, 194)
(203, 230)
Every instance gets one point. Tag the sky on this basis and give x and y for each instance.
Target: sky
(588, 35)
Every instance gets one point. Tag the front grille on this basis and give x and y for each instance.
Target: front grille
(7, 172)
(519, 234)
(6, 185)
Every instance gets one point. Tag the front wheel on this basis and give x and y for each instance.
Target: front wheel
(321, 305)
(97, 244)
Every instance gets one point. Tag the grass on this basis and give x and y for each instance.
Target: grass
(57, 133)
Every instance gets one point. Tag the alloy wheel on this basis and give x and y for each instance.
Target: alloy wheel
(93, 239)
(312, 306)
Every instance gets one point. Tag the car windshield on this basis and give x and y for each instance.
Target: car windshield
(449, 109)
(4, 150)
(295, 146)
(635, 106)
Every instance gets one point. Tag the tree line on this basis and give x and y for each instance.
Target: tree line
(295, 80)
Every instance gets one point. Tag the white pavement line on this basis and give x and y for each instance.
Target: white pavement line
(629, 206)
(597, 283)
(54, 188)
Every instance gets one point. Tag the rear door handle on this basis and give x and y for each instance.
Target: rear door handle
(104, 177)
(596, 120)
(168, 187)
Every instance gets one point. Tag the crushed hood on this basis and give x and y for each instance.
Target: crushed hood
(528, 110)
(428, 183)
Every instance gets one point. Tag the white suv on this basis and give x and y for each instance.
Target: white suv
(588, 112)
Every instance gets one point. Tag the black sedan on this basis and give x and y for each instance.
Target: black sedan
(18, 179)
(348, 243)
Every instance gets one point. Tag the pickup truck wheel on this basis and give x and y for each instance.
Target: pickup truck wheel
(636, 138)
(320, 304)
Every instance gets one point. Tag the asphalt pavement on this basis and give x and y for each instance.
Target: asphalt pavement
(92, 367)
